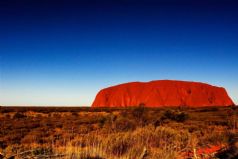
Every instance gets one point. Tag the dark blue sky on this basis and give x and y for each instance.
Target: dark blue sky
(63, 52)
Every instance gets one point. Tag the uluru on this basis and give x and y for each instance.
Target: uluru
(161, 93)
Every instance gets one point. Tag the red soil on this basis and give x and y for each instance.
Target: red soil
(202, 152)
(162, 93)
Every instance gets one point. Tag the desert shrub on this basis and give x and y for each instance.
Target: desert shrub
(14, 138)
(58, 125)
(111, 118)
(193, 128)
(8, 116)
(119, 146)
(3, 145)
(3, 110)
(109, 124)
(39, 116)
(31, 138)
(157, 123)
(175, 115)
(18, 116)
(234, 108)
(84, 129)
(74, 114)
(232, 120)
(138, 111)
(214, 136)
(102, 121)
(34, 125)
(43, 151)
(124, 124)
(217, 123)
(181, 117)
(56, 115)
(92, 157)
(139, 114)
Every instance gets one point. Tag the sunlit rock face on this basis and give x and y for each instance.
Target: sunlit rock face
(162, 93)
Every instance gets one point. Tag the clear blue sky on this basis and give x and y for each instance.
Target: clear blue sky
(63, 52)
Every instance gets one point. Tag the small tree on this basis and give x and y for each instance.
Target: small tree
(139, 113)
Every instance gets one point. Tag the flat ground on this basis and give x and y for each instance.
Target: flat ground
(149, 133)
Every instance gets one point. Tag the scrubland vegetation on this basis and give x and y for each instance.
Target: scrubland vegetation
(123, 133)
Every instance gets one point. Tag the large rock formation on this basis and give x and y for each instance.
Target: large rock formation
(162, 93)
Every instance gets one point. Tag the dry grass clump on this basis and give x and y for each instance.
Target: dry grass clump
(160, 142)
(129, 133)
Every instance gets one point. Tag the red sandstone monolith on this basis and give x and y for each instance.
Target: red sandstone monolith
(162, 93)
